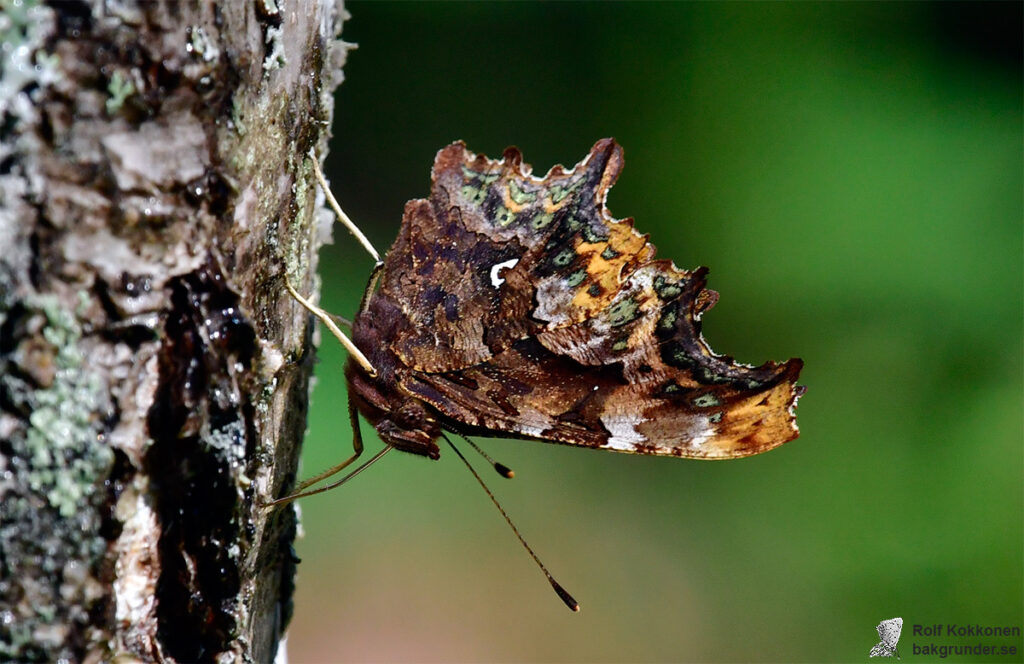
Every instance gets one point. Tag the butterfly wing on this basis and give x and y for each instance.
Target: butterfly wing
(526, 309)
(529, 391)
(497, 255)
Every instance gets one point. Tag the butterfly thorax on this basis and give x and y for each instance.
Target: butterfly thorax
(401, 420)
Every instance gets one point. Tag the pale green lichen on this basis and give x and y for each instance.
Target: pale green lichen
(230, 440)
(61, 441)
(59, 457)
(201, 44)
(296, 261)
(275, 59)
(237, 118)
(24, 27)
(119, 88)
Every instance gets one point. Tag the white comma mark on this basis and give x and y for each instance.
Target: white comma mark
(495, 269)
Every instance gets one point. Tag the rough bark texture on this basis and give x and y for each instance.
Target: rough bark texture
(155, 188)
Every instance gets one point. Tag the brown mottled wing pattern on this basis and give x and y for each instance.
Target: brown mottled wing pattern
(497, 255)
(528, 310)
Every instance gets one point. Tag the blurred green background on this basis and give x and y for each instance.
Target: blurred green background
(852, 174)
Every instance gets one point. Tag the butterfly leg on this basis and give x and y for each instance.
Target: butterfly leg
(357, 450)
(327, 320)
(370, 286)
(340, 320)
(357, 447)
(342, 217)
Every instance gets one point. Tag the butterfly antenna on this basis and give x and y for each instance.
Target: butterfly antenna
(502, 469)
(333, 202)
(559, 590)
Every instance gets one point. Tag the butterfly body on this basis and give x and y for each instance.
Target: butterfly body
(516, 306)
(402, 420)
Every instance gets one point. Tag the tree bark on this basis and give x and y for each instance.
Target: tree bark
(155, 189)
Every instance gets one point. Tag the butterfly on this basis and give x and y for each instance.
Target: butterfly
(889, 632)
(513, 305)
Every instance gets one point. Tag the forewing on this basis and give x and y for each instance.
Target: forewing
(497, 255)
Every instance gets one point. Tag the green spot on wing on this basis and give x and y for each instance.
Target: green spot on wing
(609, 253)
(564, 257)
(622, 312)
(542, 220)
(707, 401)
(592, 236)
(473, 194)
(666, 289)
(576, 278)
(503, 216)
(559, 191)
(519, 196)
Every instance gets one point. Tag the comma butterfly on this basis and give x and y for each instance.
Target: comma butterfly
(511, 305)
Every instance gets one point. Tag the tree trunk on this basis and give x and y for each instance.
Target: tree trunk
(155, 189)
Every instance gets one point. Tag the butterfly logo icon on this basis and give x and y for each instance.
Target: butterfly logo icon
(889, 632)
